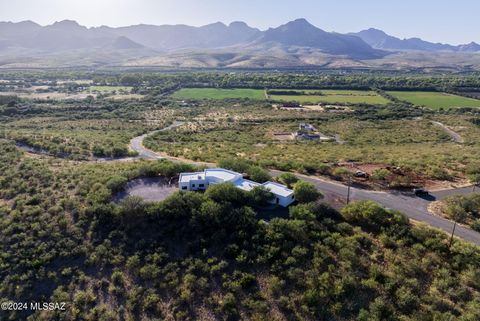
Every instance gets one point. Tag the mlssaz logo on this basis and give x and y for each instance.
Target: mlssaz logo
(47, 306)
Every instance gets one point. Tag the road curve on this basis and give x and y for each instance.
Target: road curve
(456, 137)
(414, 207)
(137, 143)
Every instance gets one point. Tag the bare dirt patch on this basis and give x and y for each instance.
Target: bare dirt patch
(151, 189)
(437, 208)
(433, 185)
(281, 136)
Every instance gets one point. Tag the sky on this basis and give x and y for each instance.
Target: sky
(452, 21)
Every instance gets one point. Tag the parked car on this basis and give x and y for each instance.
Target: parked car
(420, 192)
(361, 174)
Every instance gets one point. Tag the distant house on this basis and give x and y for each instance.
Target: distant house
(306, 127)
(306, 136)
(291, 105)
(306, 132)
(201, 180)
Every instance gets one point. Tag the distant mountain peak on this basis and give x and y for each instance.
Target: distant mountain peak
(217, 24)
(66, 23)
(299, 23)
(374, 31)
(470, 47)
(301, 33)
(123, 42)
(24, 23)
(238, 24)
(67, 26)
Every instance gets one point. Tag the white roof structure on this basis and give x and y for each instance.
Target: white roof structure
(223, 175)
(211, 176)
(278, 189)
(187, 177)
(246, 184)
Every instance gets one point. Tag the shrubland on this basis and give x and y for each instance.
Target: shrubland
(197, 256)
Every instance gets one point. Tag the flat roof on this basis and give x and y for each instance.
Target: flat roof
(187, 177)
(225, 175)
(222, 174)
(278, 189)
(246, 184)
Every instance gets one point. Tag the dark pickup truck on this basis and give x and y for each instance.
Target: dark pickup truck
(420, 192)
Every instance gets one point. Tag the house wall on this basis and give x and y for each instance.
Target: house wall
(194, 185)
(283, 201)
(184, 186)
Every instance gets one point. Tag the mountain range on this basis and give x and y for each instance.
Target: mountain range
(380, 40)
(294, 44)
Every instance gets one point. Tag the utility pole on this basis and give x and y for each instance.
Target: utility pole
(453, 233)
(348, 189)
(476, 180)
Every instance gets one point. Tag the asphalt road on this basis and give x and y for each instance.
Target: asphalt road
(413, 206)
(137, 143)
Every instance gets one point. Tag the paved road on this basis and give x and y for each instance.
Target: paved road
(412, 206)
(137, 143)
(455, 136)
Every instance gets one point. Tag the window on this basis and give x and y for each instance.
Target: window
(193, 185)
(184, 188)
(201, 185)
(278, 200)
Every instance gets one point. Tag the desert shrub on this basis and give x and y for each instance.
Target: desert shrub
(305, 192)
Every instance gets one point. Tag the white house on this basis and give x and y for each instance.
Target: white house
(201, 180)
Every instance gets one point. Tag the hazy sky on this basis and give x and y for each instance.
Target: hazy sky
(454, 21)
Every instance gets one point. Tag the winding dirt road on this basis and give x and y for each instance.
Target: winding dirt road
(456, 137)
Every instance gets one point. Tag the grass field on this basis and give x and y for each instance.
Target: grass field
(335, 97)
(217, 93)
(435, 100)
(329, 96)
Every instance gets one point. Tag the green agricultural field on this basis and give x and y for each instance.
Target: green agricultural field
(435, 100)
(328, 96)
(217, 93)
(335, 97)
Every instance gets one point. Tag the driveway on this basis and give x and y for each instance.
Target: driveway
(151, 189)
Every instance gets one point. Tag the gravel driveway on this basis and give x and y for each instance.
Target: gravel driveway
(151, 189)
